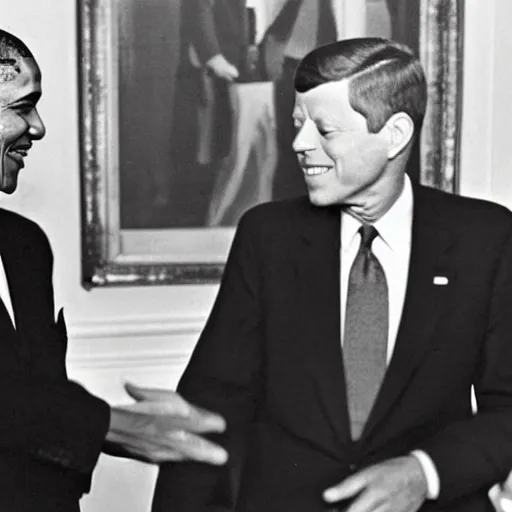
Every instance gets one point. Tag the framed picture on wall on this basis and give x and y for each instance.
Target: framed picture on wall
(184, 125)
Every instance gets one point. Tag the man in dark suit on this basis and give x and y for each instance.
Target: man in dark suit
(351, 325)
(51, 429)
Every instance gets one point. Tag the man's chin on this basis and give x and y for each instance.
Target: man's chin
(317, 198)
(8, 186)
(8, 177)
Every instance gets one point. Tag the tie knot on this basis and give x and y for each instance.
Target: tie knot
(368, 235)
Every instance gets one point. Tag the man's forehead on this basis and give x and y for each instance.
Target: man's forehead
(325, 96)
(19, 72)
(9, 70)
(23, 79)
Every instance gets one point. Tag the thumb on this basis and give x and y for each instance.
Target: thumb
(171, 399)
(141, 394)
(346, 489)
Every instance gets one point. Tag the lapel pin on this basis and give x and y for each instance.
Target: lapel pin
(440, 280)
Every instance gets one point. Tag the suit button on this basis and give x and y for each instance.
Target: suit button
(352, 467)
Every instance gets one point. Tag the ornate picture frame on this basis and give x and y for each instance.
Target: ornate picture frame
(112, 255)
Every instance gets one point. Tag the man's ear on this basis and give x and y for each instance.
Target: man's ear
(400, 128)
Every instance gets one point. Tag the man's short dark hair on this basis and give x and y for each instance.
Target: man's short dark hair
(384, 77)
(12, 48)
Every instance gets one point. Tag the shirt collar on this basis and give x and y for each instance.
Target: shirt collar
(394, 226)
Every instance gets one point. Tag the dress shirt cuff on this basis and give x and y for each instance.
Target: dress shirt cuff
(430, 471)
(501, 497)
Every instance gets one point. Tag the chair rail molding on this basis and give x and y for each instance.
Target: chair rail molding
(132, 343)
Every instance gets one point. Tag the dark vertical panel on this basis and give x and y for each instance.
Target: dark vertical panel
(148, 57)
(405, 28)
(405, 22)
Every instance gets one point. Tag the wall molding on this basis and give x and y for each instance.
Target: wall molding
(125, 361)
(132, 343)
(119, 327)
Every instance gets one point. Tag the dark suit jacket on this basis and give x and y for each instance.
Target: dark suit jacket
(215, 26)
(51, 430)
(270, 360)
(211, 27)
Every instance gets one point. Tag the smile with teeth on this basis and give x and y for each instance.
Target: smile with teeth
(17, 154)
(315, 171)
(20, 151)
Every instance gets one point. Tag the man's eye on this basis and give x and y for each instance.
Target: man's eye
(24, 108)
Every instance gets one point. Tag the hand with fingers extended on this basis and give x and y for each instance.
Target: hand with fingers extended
(395, 485)
(161, 426)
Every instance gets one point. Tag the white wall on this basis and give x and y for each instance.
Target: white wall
(146, 333)
(487, 109)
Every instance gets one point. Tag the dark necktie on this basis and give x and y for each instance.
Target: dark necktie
(366, 332)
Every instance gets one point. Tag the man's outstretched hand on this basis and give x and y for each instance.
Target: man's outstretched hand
(395, 485)
(162, 426)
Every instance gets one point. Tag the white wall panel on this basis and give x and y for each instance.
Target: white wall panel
(149, 351)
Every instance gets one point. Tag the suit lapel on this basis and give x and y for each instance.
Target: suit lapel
(318, 311)
(425, 302)
(13, 254)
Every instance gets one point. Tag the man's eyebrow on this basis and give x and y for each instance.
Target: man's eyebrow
(32, 97)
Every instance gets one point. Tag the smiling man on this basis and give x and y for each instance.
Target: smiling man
(351, 324)
(51, 429)
(20, 90)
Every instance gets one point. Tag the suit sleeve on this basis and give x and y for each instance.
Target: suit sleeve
(472, 455)
(223, 376)
(202, 32)
(44, 415)
(55, 422)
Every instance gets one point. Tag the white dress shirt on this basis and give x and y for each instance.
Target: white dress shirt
(393, 249)
(4, 292)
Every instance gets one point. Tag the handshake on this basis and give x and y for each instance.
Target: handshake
(161, 426)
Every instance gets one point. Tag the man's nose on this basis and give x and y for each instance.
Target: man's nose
(36, 126)
(305, 140)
